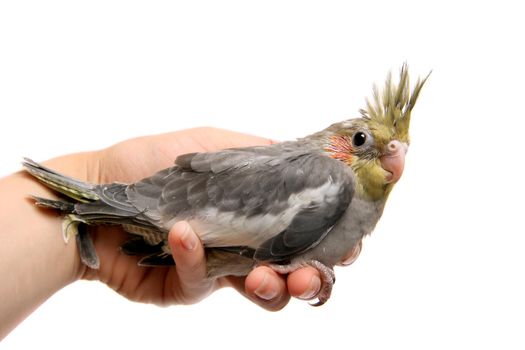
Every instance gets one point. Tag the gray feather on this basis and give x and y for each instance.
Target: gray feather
(280, 189)
(86, 248)
(157, 259)
(81, 191)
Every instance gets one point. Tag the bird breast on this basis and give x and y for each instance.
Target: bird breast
(358, 221)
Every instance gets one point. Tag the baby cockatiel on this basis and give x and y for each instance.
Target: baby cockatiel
(287, 205)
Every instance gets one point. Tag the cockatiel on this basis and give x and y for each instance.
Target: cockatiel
(287, 205)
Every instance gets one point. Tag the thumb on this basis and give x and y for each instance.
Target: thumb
(188, 254)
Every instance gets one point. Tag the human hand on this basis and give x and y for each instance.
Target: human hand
(134, 159)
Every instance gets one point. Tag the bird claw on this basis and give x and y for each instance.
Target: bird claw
(327, 275)
(69, 227)
(327, 281)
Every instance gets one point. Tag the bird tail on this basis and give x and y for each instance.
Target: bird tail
(91, 204)
(77, 190)
(73, 224)
(61, 205)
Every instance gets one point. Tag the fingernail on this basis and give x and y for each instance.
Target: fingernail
(266, 290)
(313, 288)
(188, 239)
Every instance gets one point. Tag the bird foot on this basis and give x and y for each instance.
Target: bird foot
(327, 277)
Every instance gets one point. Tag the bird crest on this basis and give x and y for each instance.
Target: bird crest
(392, 107)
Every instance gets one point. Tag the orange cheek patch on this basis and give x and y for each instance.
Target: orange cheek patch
(340, 148)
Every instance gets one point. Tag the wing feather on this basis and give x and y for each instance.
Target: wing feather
(278, 200)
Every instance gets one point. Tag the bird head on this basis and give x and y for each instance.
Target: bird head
(374, 146)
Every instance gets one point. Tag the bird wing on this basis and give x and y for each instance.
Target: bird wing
(277, 200)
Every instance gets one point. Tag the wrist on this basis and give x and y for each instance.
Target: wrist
(34, 261)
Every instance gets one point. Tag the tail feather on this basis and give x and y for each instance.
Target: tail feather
(108, 204)
(86, 248)
(60, 205)
(78, 190)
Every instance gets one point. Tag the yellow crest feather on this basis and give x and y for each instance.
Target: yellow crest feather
(392, 107)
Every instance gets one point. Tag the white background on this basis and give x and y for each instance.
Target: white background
(445, 266)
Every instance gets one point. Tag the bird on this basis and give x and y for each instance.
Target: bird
(307, 202)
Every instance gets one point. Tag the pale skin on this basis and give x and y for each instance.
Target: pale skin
(35, 262)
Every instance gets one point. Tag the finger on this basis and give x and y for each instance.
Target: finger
(266, 288)
(304, 283)
(188, 252)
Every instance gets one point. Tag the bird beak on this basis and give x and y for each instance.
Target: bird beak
(393, 161)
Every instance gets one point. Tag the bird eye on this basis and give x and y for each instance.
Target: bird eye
(359, 139)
